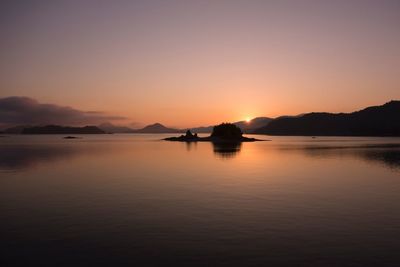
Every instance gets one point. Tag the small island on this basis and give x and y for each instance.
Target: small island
(223, 133)
(71, 137)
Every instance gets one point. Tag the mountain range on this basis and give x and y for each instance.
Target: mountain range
(111, 128)
(246, 126)
(381, 120)
(56, 129)
(152, 128)
(157, 128)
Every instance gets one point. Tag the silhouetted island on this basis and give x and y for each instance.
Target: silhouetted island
(71, 137)
(372, 121)
(56, 129)
(223, 133)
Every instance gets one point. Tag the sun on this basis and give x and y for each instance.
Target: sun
(248, 120)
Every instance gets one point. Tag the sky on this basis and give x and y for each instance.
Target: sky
(191, 63)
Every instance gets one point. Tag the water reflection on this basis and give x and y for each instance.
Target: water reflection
(390, 158)
(191, 146)
(123, 199)
(22, 157)
(14, 157)
(226, 150)
(386, 154)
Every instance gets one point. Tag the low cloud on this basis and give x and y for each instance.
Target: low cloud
(17, 110)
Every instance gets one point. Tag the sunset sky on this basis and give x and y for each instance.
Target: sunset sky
(192, 63)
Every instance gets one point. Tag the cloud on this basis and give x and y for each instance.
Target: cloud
(17, 110)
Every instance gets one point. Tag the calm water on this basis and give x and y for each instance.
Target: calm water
(118, 200)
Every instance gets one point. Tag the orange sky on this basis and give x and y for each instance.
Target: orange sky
(191, 63)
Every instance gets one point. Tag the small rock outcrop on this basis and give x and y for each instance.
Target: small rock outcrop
(188, 137)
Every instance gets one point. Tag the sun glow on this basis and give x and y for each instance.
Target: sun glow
(248, 120)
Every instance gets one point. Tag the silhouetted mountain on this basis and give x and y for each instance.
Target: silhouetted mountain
(202, 129)
(16, 129)
(56, 129)
(373, 121)
(157, 128)
(246, 127)
(111, 128)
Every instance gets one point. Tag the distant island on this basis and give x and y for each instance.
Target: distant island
(56, 129)
(372, 121)
(223, 133)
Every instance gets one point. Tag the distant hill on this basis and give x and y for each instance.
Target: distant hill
(202, 129)
(157, 128)
(111, 128)
(16, 129)
(246, 127)
(372, 121)
(56, 129)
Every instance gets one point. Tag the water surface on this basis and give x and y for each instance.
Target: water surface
(135, 200)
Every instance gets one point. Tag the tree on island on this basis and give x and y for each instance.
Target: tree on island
(227, 131)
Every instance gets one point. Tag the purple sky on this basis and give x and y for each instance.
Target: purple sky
(190, 63)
